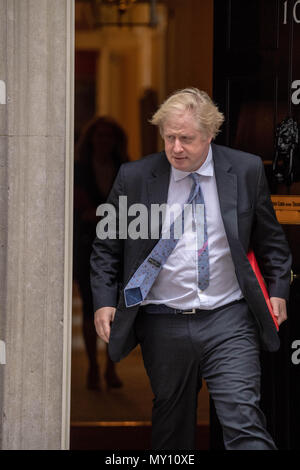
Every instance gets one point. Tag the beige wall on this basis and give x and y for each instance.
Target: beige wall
(189, 57)
(130, 61)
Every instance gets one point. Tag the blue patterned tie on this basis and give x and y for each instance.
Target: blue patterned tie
(142, 280)
(202, 240)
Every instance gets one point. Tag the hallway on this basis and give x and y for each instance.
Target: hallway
(129, 406)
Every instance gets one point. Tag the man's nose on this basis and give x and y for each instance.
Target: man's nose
(177, 146)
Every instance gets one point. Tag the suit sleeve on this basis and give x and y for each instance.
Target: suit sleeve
(269, 242)
(107, 257)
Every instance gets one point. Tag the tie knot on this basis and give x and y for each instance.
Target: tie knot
(195, 177)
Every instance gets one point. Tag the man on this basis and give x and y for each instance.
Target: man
(194, 304)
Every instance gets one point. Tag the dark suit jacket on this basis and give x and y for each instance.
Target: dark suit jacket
(249, 220)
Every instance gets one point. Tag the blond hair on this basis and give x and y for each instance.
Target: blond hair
(207, 116)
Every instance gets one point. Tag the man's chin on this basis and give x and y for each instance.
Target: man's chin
(181, 163)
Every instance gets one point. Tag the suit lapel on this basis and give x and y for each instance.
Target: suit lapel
(158, 186)
(227, 191)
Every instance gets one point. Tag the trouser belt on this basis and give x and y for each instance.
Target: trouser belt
(161, 308)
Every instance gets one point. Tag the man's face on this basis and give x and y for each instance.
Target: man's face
(186, 147)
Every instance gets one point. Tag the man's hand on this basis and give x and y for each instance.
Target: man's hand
(103, 318)
(279, 309)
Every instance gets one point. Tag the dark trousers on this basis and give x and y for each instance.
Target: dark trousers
(223, 348)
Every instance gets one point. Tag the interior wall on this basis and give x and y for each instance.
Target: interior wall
(124, 96)
(189, 50)
(131, 60)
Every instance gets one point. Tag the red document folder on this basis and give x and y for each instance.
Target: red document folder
(257, 272)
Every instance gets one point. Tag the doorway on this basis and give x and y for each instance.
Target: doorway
(122, 74)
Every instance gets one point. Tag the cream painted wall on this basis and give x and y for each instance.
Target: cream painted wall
(130, 61)
(189, 45)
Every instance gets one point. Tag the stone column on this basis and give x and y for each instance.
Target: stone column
(36, 65)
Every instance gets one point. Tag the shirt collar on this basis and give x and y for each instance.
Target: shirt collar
(206, 169)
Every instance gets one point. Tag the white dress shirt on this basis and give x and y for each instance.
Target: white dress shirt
(176, 284)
